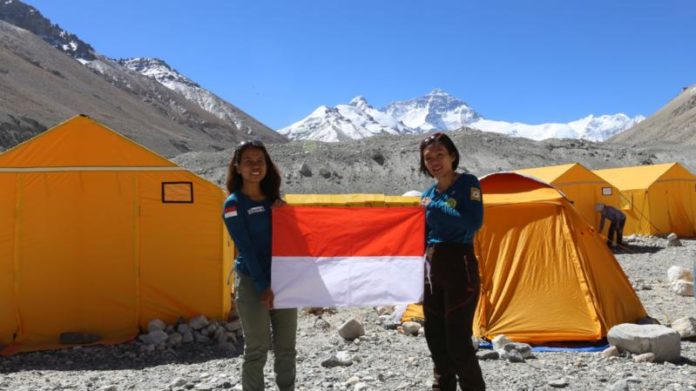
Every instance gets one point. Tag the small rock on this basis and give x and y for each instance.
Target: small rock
(156, 324)
(559, 383)
(645, 357)
(234, 325)
(182, 328)
(411, 328)
(487, 355)
(199, 322)
(524, 349)
(321, 323)
(499, 342)
(683, 288)
(305, 171)
(611, 351)
(360, 386)
(342, 359)
(676, 273)
(686, 327)
(673, 240)
(156, 337)
(385, 310)
(514, 356)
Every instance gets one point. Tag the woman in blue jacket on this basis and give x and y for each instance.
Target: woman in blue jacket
(253, 183)
(453, 213)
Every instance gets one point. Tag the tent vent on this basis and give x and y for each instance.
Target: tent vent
(177, 192)
(606, 191)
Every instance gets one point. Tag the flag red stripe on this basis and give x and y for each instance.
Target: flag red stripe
(344, 232)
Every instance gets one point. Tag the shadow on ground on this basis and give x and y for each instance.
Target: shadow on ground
(118, 357)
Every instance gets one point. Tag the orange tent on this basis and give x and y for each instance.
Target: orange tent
(546, 275)
(100, 235)
(581, 186)
(657, 199)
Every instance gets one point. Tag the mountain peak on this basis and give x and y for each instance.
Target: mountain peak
(438, 92)
(359, 101)
(29, 18)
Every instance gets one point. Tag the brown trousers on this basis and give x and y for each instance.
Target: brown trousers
(449, 302)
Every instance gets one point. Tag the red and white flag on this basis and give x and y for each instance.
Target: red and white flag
(347, 256)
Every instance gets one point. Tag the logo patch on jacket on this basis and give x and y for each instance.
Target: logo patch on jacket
(475, 194)
(256, 209)
(230, 211)
(452, 203)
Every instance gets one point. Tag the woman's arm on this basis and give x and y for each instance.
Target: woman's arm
(237, 227)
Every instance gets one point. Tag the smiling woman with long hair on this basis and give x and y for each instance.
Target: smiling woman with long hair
(453, 213)
(253, 183)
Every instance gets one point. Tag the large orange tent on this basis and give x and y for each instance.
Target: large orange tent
(546, 275)
(99, 235)
(657, 199)
(581, 186)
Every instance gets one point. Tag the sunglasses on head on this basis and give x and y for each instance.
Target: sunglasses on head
(250, 143)
(433, 137)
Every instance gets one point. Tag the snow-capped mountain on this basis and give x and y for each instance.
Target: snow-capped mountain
(167, 76)
(435, 111)
(29, 18)
(162, 108)
(440, 111)
(355, 120)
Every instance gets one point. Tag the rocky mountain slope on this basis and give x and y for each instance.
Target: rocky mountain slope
(389, 164)
(673, 123)
(42, 86)
(439, 111)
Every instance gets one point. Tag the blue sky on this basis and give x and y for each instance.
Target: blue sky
(530, 61)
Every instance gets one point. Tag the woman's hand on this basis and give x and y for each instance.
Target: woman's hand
(267, 298)
(278, 203)
(424, 202)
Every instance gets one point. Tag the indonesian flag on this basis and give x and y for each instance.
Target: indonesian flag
(347, 257)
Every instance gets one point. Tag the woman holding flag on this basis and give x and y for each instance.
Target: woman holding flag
(253, 183)
(453, 213)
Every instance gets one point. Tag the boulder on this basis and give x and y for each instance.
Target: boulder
(487, 355)
(686, 327)
(664, 342)
(351, 329)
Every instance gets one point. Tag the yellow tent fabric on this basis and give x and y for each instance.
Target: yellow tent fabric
(545, 274)
(581, 186)
(100, 235)
(657, 199)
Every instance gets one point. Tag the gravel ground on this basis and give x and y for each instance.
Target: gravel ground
(382, 359)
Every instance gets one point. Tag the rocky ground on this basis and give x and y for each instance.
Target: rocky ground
(383, 359)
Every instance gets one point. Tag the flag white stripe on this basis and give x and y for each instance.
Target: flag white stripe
(346, 281)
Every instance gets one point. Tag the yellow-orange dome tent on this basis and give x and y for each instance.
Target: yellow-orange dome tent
(100, 235)
(546, 275)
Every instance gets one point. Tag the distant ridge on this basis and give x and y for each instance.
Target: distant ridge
(673, 123)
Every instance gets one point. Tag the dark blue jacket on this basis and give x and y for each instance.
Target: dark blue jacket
(454, 215)
(249, 225)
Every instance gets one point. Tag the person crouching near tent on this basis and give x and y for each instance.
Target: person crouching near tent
(617, 220)
(453, 212)
(253, 183)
